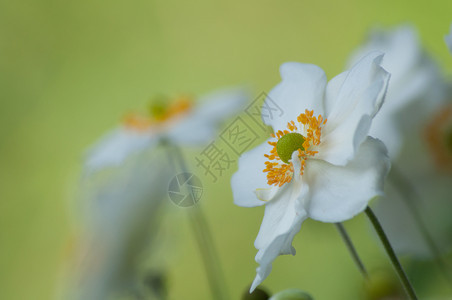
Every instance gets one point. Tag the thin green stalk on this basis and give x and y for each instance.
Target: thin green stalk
(203, 237)
(351, 248)
(209, 259)
(392, 256)
(410, 198)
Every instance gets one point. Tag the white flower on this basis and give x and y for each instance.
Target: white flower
(332, 167)
(414, 78)
(121, 215)
(181, 122)
(425, 164)
(448, 39)
(416, 93)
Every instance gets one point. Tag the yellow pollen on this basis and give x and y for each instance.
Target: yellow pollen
(159, 115)
(179, 107)
(310, 127)
(438, 137)
(136, 122)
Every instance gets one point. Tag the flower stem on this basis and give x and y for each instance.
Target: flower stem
(351, 248)
(390, 251)
(203, 236)
(208, 254)
(410, 198)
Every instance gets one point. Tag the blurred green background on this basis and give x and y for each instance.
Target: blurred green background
(70, 69)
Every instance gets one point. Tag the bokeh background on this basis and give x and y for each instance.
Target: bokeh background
(70, 69)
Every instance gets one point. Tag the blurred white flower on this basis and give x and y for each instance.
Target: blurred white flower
(120, 218)
(414, 78)
(416, 93)
(426, 167)
(322, 168)
(182, 122)
(448, 39)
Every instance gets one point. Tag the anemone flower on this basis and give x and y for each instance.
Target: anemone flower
(415, 79)
(409, 125)
(320, 163)
(180, 121)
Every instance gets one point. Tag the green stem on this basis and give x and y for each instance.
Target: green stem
(209, 258)
(410, 198)
(351, 248)
(392, 256)
(203, 237)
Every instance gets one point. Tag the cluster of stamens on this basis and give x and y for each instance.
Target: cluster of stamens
(159, 113)
(280, 172)
(438, 134)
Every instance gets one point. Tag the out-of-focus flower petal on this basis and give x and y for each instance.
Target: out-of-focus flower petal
(120, 218)
(414, 78)
(448, 39)
(200, 125)
(114, 148)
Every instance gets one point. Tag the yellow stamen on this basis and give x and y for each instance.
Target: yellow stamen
(310, 127)
(437, 134)
(160, 113)
(136, 122)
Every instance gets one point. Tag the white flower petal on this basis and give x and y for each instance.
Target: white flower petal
(121, 213)
(414, 76)
(282, 220)
(385, 129)
(412, 71)
(352, 100)
(191, 131)
(201, 124)
(401, 47)
(337, 193)
(267, 194)
(448, 39)
(114, 148)
(222, 104)
(296, 162)
(250, 178)
(423, 82)
(302, 87)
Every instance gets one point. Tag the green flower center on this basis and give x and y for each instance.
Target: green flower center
(288, 144)
(159, 107)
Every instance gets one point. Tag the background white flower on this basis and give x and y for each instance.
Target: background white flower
(415, 77)
(190, 124)
(344, 169)
(416, 93)
(448, 39)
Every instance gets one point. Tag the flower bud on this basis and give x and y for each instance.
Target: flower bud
(291, 294)
(383, 285)
(257, 294)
